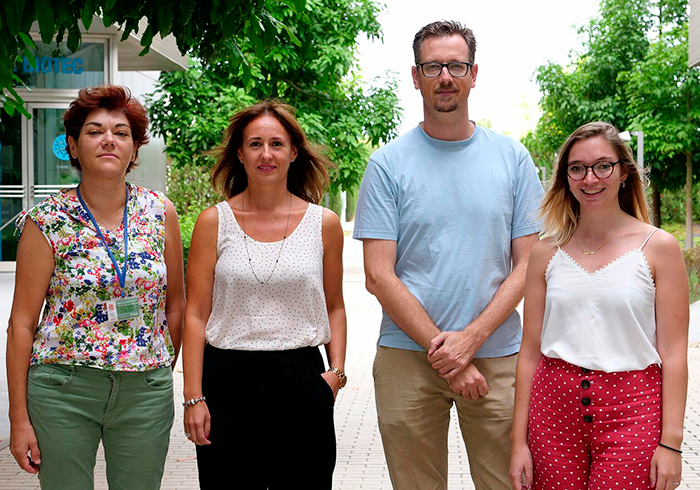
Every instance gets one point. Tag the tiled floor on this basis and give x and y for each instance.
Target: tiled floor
(360, 456)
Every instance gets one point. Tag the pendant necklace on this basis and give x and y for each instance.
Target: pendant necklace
(591, 252)
(245, 240)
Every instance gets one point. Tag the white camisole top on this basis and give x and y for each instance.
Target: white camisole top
(605, 320)
(286, 312)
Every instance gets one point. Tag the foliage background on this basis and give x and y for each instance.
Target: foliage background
(319, 77)
(632, 72)
(205, 28)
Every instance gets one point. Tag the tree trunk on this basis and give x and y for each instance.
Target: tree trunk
(335, 201)
(655, 206)
(688, 200)
(350, 204)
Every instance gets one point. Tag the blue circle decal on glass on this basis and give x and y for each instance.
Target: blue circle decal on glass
(59, 148)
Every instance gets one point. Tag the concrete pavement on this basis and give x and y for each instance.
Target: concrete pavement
(360, 463)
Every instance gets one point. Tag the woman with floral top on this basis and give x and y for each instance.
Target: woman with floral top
(106, 259)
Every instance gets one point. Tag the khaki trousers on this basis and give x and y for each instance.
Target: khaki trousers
(413, 407)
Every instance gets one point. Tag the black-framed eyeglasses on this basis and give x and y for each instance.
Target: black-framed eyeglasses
(602, 170)
(432, 69)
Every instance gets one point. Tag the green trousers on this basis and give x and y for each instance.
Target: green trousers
(73, 408)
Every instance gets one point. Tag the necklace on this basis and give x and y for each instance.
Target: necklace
(106, 225)
(245, 240)
(591, 252)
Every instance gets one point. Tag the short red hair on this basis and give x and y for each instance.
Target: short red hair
(112, 98)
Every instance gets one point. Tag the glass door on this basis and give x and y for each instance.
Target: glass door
(50, 166)
(34, 164)
(12, 186)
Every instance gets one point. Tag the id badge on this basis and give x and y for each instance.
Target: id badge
(123, 309)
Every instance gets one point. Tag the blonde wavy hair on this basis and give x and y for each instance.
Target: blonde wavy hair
(307, 177)
(560, 209)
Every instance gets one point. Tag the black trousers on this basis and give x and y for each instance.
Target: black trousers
(271, 421)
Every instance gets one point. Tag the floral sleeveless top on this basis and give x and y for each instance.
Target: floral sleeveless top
(74, 328)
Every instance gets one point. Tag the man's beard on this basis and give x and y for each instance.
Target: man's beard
(446, 105)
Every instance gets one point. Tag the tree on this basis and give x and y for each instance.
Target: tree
(204, 28)
(664, 102)
(589, 90)
(318, 77)
(630, 73)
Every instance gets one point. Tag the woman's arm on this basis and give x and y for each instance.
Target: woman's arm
(35, 265)
(200, 287)
(529, 357)
(333, 239)
(672, 312)
(175, 293)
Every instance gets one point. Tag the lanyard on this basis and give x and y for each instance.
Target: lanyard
(121, 274)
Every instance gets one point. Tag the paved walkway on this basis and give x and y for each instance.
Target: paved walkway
(360, 456)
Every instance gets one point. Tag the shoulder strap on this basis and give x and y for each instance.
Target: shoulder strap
(650, 235)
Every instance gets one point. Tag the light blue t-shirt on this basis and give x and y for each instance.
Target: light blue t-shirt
(453, 208)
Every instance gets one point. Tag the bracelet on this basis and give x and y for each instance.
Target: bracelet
(188, 403)
(671, 448)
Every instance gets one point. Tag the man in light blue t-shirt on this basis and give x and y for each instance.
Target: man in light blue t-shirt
(448, 214)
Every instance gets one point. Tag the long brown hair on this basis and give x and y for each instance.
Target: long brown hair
(560, 209)
(308, 175)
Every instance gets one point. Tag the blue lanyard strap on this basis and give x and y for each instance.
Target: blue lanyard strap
(121, 273)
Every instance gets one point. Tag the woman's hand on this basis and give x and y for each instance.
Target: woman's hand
(332, 381)
(666, 468)
(198, 423)
(521, 464)
(24, 447)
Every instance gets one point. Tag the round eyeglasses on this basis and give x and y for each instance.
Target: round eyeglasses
(432, 69)
(602, 170)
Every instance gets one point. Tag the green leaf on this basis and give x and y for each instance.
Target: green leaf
(28, 16)
(12, 15)
(147, 38)
(130, 25)
(279, 25)
(45, 17)
(74, 38)
(88, 13)
(27, 40)
(296, 5)
(186, 10)
(165, 17)
(9, 106)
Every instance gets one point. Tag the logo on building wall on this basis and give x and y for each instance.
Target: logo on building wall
(59, 148)
(47, 64)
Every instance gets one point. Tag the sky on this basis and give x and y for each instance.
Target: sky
(513, 39)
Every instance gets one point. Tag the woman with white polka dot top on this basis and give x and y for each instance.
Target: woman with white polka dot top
(264, 287)
(606, 319)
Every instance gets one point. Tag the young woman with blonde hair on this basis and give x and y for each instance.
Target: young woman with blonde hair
(606, 318)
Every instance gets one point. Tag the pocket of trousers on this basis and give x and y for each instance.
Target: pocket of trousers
(380, 350)
(51, 375)
(158, 379)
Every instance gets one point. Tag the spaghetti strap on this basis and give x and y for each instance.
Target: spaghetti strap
(650, 235)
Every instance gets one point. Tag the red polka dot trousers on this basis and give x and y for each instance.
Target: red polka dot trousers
(591, 430)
